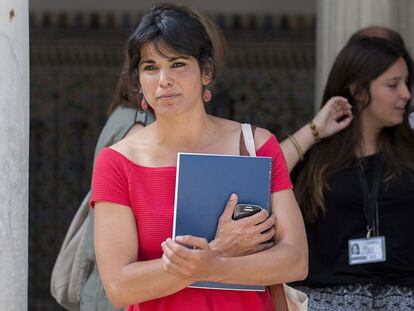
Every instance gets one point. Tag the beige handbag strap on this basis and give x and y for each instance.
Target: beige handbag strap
(247, 145)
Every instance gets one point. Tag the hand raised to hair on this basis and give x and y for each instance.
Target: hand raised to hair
(197, 263)
(333, 117)
(244, 236)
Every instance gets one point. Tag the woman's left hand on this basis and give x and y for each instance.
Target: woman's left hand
(333, 117)
(196, 264)
(245, 236)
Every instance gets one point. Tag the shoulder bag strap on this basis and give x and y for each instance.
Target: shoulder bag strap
(247, 145)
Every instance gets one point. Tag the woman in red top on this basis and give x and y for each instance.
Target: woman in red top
(172, 62)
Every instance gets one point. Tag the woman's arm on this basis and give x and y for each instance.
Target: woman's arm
(284, 262)
(125, 280)
(334, 116)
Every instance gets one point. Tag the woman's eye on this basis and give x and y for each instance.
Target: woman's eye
(393, 86)
(178, 64)
(149, 67)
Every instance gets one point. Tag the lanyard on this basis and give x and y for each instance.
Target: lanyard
(370, 196)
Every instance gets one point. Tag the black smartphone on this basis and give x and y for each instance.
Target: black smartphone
(245, 210)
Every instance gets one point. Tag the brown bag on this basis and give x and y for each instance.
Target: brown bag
(286, 298)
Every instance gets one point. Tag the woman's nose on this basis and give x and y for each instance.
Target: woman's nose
(166, 79)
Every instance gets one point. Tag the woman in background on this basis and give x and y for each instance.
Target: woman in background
(357, 187)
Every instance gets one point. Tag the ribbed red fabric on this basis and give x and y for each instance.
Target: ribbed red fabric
(149, 191)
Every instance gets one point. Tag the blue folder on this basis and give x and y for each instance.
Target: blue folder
(203, 186)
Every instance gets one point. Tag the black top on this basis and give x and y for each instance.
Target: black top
(344, 220)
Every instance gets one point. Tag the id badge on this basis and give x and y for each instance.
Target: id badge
(366, 250)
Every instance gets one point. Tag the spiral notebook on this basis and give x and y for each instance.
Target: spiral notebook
(203, 186)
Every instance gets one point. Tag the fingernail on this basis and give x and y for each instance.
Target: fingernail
(233, 196)
(178, 238)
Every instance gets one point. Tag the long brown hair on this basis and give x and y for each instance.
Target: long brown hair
(359, 63)
(126, 94)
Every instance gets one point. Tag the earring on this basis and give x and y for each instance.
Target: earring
(144, 104)
(207, 95)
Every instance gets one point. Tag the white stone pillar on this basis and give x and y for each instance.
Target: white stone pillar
(407, 24)
(14, 153)
(337, 20)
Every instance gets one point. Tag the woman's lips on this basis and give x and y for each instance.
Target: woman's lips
(167, 96)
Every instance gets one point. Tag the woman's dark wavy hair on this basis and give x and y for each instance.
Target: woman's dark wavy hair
(177, 29)
(125, 92)
(360, 62)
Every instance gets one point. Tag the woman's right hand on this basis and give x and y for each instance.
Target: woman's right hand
(333, 117)
(244, 236)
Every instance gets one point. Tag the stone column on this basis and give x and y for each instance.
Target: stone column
(14, 153)
(407, 23)
(337, 20)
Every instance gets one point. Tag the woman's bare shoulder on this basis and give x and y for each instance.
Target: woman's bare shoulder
(261, 136)
(134, 142)
(227, 125)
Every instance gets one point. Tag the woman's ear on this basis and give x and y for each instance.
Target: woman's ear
(207, 74)
(359, 94)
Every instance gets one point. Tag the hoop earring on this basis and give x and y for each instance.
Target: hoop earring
(207, 95)
(144, 104)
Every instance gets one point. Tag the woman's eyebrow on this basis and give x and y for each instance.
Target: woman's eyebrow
(396, 78)
(146, 61)
(171, 59)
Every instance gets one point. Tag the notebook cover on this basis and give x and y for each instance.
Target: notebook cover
(203, 186)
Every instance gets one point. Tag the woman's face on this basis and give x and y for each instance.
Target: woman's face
(171, 85)
(389, 97)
